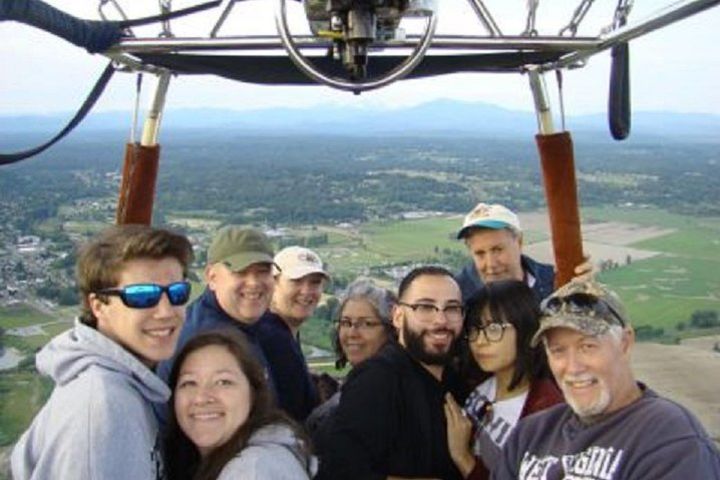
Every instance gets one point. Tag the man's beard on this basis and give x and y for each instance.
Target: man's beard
(415, 346)
(588, 413)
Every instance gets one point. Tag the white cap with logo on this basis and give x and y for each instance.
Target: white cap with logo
(494, 216)
(297, 262)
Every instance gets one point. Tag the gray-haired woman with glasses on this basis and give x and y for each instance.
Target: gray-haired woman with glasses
(362, 326)
(514, 379)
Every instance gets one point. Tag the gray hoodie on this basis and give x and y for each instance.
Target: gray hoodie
(273, 452)
(98, 422)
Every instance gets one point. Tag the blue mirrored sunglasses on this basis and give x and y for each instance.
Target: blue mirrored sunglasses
(147, 295)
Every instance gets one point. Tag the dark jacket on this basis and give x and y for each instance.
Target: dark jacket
(543, 394)
(470, 282)
(206, 314)
(295, 390)
(390, 421)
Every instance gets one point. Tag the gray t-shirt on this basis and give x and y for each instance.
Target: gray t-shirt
(651, 439)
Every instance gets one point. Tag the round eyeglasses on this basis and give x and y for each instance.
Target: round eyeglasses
(361, 324)
(493, 331)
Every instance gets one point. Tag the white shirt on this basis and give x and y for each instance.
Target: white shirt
(493, 420)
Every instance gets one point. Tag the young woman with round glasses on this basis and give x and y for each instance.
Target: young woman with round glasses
(362, 327)
(514, 379)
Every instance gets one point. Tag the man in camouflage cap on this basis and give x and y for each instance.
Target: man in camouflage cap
(584, 306)
(612, 426)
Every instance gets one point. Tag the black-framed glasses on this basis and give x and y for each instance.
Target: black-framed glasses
(363, 324)
(493, 331)
(147, 295)
(428, 311)
(581, 304)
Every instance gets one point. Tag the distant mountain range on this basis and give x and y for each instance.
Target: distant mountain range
(440, 117)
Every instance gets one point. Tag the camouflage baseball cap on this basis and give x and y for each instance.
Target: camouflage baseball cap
(586, 306)
(238, 248)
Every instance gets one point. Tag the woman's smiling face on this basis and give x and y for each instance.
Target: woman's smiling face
(213, 397)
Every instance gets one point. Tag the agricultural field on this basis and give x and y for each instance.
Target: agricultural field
(21, 316)
(665, 290)
(394, 242)
(679, 278)
(23, 393)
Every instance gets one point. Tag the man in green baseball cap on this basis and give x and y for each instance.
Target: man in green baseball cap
(239, 289)
(237, 248)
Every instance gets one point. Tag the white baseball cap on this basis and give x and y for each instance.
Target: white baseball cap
(297, 262)
(492, 216)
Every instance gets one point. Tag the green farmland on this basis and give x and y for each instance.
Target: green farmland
(21, 316)
(665, 290)
(685, 277)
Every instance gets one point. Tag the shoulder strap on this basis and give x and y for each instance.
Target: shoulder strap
(8, 158)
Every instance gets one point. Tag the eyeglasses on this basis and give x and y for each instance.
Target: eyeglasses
(428, 311)
(147, 295)
(581, 304)
(361, 324)
(493, 331)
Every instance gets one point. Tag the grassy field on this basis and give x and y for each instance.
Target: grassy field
(647, 217)
(21, 316)
(32, 343)
(393, 242)
(23, 393)
(665, 290)
(25, 316)
(411, 238)
(694, 242)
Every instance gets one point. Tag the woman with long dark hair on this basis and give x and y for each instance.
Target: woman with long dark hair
(223, 423)
(513, 379)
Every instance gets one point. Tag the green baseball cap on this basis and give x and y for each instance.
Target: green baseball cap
(238, 248)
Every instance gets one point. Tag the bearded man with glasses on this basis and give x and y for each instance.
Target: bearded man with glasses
(390, 423)
(99, 422)
(612, 427)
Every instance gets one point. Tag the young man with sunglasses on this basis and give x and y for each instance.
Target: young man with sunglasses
(98, 421)
(390, 423)
(612, 427)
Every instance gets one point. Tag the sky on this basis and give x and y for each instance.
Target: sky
(673, 69)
